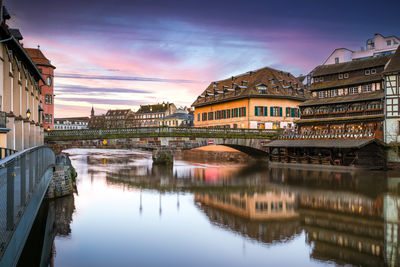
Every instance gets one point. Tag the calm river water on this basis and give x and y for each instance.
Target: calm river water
(128, 213)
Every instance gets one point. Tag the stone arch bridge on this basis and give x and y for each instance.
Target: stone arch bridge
(250, 141)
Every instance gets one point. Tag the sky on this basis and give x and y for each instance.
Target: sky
(127, 53)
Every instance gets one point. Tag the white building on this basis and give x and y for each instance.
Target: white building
(378, 45)
(77, 123)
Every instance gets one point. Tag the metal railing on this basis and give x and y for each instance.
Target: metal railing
(162, 131)
(20, 176)
(5, 152)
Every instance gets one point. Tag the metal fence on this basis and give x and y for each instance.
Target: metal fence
(20, 176)
(5, 152)
(186, 131)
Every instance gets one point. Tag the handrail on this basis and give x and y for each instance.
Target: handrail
(22, 176)
(163, 130)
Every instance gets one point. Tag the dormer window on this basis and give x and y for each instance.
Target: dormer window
(340, 76)
(367, 72)
(262, 89)
(272, 81)
(316, 80)
(346, 75)
(373, 71)
(321, 79)
(389, 42)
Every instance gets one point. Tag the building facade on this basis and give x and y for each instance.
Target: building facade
(376, 46)
(348, 100)
(392, 99)
(47, 69)
(76, 123)
(263, 99)
(118, 118)
(180, 118)
(149, 115)
(20, 93)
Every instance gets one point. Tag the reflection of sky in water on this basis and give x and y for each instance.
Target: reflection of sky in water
(118, 225)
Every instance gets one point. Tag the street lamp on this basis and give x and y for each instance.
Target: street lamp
(28, 113)
(48, 128)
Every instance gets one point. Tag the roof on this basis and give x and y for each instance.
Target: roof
(17, 34)
(324, 143)
(341, 119)
(38, 57)
(344, 99)
(352, 65)
(279, 84)
(183, 116)
(72, 119)
(154, 108)
(394, 63)
(346, 82)
(113, 112)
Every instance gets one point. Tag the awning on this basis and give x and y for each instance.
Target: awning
(324, 143)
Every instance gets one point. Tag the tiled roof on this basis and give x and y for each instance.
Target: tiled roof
(154, 108)
(38, 57)
(346, 82)
(323, 143)
(279, 84)
(344, 99)
(394, 63)
(339, 119)
(351, 66)
(113, 112)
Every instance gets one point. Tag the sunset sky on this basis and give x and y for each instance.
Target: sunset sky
(124, 53)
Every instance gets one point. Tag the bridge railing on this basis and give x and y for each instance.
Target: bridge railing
(186, 131)
(20, 176)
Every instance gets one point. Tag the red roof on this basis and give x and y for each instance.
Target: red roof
(38, 57)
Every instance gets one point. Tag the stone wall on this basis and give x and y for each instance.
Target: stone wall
(62, 183)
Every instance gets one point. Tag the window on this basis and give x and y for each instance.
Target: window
(356, 107)
(198, 117)
(346, 75)
(210, 116)
(48, 118)
(367, 88)
(336, 60)
(262, 90)
(334, 92)
(321, 79)
(373, 71)
(276, 111)
(204, 116)
(367, 72)
(374, 105)
(353, 90)
(338, 109)
(389, 42)
(322, 110)
(261, 111)
(316, 80)
(308, 111)
(340, 76)
(48, 99)
(321, 94)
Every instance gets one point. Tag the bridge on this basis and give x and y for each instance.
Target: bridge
(24, 178)
(249, 141)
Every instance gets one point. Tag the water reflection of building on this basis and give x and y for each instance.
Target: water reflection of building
(257, 206)
(239, 214)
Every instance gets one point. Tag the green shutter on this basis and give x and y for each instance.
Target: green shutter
(265, 111)
(271, 109)
(287, 112)
(237, 112)
(280, 111)
(256, 111)
(244, 112)
(293, 113)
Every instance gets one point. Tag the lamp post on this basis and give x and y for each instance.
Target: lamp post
(48, 128)
(28, 113)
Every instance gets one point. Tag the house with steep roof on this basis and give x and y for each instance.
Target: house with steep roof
(265, 99)
(148, 115)
(47, 70)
